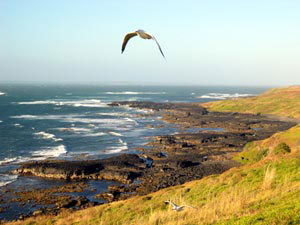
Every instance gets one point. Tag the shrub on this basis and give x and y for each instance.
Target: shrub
(261, 154)
(281, 148)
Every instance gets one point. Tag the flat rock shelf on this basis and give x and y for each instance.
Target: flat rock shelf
(204, 144)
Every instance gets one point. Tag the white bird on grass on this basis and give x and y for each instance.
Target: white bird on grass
(143, 35)
(177, 207)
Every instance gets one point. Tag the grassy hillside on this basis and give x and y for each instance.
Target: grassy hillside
(265, 191)
(279, 144)
(278, 101)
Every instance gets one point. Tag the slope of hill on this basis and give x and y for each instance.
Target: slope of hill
(277, 101)
(265, 190)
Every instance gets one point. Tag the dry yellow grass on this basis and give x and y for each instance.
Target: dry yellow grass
(277, 101)
(240, 192)
(265, 192)
(269, 178)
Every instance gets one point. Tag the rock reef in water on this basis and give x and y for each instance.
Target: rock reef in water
(204, 145)
(123, 168)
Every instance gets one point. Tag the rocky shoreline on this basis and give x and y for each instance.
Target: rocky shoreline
(204, 146)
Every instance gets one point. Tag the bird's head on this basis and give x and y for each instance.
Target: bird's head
(140, 31)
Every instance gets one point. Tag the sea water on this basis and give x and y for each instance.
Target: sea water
(75, 121)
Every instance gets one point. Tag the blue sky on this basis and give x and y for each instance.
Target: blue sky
(220, 42)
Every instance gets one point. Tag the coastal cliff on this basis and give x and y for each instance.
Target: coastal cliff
(265, 190)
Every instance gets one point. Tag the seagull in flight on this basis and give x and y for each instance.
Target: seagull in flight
(143, 35)
(177, 207)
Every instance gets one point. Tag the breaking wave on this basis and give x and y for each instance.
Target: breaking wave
(2, 93)
(134, 93)
(24, 117)
(117, 114)
(36, 155)
(7, 160)
(78, 103)
(45, 135)
(75, 118)
(18, 125)
(49, 152)
(115, 134)
(95, 134)
(74, 129)
(117, 149)
(7, 179)
(223, 96)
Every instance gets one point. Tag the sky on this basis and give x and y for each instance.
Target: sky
(219, 42)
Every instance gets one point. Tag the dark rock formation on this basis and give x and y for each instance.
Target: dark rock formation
(171, 160)
(123, 168)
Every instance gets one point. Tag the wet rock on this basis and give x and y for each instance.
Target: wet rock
(205, 158)
(21, 217)
(190, 156)
(124, 168)
(184, 164)
(107, 196)
(81, 201)
(161, 155)
(38, 212)
(67, 203)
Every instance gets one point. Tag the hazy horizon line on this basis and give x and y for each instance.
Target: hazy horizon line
(128, 83)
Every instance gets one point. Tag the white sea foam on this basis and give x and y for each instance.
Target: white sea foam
(18, 125)
(95, 134)
(7, 160)
(2, 93)
(115, 134)
(132, 99)
(36, 155)
(117, 149)
(122, 142)
(1, 121)
(74, 129)
(118, 114)
(134, 93)
(7, 179)
(45, 135)
(83, 131)
(97, 121)
(24, 117)
(107, 122)
(143, 110)
(76, 103)
(131, 121)
(49, 152)
(223, 96)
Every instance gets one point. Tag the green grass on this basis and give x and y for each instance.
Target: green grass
(265, 190)
(278, 101)
(252, 152)
(281, 148)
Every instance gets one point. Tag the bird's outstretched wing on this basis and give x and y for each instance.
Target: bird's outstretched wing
(126, 39)
(189, 206)
(170, 202)
(158, 46)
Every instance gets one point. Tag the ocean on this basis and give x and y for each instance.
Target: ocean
(75, 121)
